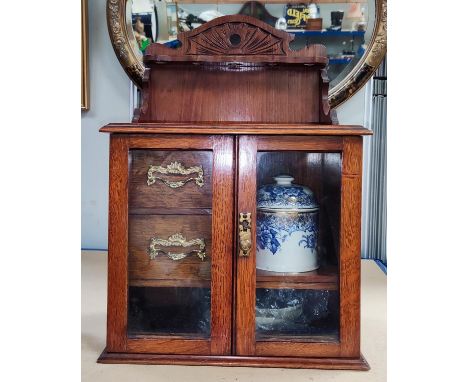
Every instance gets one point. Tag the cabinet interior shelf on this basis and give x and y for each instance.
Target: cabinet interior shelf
(332, 337)
(169, 211)
(170, 283)
(323, 278)
(142, 334)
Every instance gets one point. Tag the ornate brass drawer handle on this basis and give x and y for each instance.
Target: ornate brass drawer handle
(245, 234)
(175, 168)
(176, 240)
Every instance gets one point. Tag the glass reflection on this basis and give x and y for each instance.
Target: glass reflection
(292, 312)
(344, 28)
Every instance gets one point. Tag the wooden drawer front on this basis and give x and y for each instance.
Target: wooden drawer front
(162, 270)
(194, 191)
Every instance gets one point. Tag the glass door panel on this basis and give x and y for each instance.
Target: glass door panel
(170, 230)
(297, 246)
(170, 249)
(297, 269)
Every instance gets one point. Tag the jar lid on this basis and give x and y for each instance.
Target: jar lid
(284, 195)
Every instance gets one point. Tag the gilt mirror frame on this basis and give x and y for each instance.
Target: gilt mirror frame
(121, 32)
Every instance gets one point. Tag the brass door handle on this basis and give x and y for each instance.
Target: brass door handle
(176, 240)
(175, 168)
(245, 234)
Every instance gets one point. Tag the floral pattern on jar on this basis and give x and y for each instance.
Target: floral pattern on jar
(287, 227)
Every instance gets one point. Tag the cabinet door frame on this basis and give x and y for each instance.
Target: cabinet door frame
(219, 342)
(348, 345)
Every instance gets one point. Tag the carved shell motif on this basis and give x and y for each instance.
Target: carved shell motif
(235, 39)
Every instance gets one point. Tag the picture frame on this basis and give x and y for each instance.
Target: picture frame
(84, 57)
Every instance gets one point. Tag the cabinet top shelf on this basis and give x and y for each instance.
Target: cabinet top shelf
(234, 128)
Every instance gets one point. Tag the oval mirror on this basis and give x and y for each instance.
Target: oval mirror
(354, 31)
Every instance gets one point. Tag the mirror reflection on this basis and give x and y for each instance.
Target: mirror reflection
(345, 27)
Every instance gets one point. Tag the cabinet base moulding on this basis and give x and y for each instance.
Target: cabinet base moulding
(198, 360)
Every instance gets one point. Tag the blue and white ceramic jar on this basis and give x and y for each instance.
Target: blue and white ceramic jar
(287, 227)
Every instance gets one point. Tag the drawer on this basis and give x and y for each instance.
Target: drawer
(170, 179)
(162, 270)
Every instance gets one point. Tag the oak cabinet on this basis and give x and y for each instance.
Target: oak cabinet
(183, 283)
(177, 285)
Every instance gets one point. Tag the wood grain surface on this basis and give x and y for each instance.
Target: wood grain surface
(244, 94)
(350, 248)
(288, 143)
(168, 346)
(118, 244)
(142, 228)
(297, 349)
(245, 272)
(235, 128)
(160, 195)
(222, 247)
(337, 363)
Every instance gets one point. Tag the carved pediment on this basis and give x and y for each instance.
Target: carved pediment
(236, 37)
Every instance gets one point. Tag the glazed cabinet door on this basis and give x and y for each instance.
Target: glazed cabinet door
(170, 244)
(298, 253)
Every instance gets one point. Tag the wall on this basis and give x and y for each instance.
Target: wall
(110, 102)
(374, 236)
(352, 112)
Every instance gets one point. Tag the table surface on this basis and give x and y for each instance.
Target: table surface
(93, 332)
